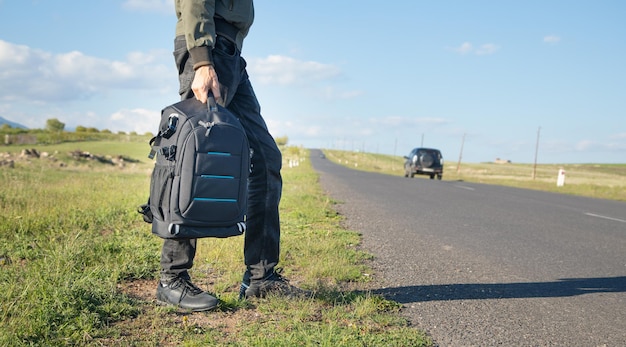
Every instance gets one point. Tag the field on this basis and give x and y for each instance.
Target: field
(79, 267)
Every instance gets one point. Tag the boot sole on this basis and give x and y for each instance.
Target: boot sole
(166, 303)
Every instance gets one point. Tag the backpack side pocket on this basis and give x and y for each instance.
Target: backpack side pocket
(160, 191)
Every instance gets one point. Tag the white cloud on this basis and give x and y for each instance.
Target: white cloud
(464, 48)
(160, 6)
(585, 145)
(486, 49)
(594, 146)
(331, 93)
(313, 131)
(551, 39)
(397, 121)
(42, 77)
(468, 48)
(348, 132)
(312, 77)
(286, 71)
(139, 120)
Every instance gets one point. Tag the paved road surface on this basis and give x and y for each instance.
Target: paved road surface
(481, 265)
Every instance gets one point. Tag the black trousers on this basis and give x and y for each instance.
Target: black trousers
(262, 237)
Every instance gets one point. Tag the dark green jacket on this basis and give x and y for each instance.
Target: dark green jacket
(195, 22)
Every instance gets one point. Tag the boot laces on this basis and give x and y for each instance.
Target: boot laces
(188, 286)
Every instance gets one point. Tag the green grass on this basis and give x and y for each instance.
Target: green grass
(78, 266)
(68, 238)
(605, 181)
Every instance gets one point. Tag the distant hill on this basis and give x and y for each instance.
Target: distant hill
(12, 124)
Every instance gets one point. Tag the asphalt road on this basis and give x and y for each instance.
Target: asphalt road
(483, 265)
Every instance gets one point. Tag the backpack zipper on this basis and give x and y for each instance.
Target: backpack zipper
(208, 126)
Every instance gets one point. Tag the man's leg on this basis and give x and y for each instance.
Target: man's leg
(177, 256)
(262, 238)
(175, 286)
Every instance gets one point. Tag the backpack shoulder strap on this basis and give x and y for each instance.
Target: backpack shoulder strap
(165, 132)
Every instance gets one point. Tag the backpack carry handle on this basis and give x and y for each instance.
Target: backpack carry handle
(211, 104)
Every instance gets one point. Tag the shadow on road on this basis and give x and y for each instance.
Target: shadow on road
(477, 291)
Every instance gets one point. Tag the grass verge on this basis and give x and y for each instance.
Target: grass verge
(79, 267)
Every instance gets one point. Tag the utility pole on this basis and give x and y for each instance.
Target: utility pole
(458, 165)
(395, 146)
(536, 152)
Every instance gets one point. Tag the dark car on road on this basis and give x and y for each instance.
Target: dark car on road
(424, 161)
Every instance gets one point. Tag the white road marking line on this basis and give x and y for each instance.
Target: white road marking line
(605, 217)
(465, 187)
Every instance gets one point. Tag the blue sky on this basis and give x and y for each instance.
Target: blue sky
(364, 75)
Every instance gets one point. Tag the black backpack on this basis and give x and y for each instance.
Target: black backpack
(199, 185)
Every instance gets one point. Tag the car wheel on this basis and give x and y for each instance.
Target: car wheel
(432, 176)
(439, 177)
(427, 160)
